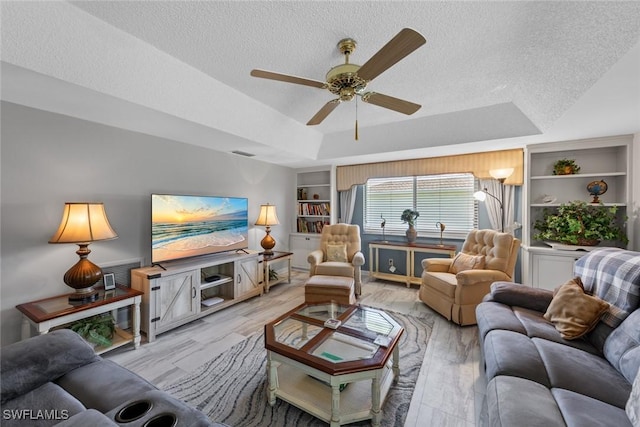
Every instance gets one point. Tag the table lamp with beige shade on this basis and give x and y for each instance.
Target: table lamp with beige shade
(267, 218)
(83, 223)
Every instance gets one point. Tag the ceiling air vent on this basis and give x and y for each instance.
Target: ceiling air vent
(242, 153)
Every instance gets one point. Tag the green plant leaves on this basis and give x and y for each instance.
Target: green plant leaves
(577, 221)
(409, 216)
(97, 329)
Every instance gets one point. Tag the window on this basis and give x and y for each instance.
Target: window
(439, 198)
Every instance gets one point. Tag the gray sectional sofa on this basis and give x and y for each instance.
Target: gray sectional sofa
(57, 379)
(538, 378)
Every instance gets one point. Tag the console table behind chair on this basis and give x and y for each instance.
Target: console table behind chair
(410, 250)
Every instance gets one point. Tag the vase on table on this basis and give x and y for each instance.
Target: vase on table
(412, 234)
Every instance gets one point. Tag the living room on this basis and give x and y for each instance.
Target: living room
(105, 102)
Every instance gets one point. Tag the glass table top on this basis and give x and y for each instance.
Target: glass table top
(50, 308)
(361, 333)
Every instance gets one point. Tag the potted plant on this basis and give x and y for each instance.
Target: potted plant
(409, 216)
(580, 223)
(565, 167)
(97, 330)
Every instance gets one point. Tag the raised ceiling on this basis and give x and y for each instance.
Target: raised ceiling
(497, 73)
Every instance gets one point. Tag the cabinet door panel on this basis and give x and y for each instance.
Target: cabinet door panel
(247, 277)
(301, 246)
(551, 271)
(177, 298)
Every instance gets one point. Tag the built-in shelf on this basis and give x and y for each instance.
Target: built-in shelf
(313, 201)
(551, 205)
(606, 159)
(579, 175)
(221, 281)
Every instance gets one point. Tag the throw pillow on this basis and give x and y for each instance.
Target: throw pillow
(463, 262)
(337, 253)
(633, 404)
(573, 312)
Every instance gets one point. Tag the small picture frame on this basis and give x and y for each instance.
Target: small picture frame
(109, 280)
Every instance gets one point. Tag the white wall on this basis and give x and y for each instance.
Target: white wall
(48, 159)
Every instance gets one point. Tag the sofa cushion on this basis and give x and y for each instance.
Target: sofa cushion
(334, 268)
(445, 283)
(582, 372)
(517, 402)
(613, 275)
(492, 315)
(463, 262)
(583, 411)
(31, 363)
(633, 404)
(514, 354)
(622, 347)
(573, 312)
(539, 327)
(46, 405)
(514, 294)
(111, 385)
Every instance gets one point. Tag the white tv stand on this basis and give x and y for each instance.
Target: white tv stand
(177, 293)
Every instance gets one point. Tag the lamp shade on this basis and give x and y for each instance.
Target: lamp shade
(501, 173)
(267, 216)
(480, 196)
(83, 223)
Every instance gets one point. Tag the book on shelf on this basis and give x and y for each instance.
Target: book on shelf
(305, 226)
(211, 301)
(318, 209)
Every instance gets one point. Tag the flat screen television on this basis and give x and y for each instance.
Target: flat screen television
(188, 226)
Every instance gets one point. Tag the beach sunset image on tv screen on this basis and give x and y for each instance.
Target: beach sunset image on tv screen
(186, 226)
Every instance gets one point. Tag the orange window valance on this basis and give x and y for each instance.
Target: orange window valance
(479, 164)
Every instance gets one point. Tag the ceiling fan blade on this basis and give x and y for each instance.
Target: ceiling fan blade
(395, 104)
(405, 42)
(324, 112)
(287, 78)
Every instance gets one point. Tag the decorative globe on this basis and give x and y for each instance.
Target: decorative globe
(597, 188)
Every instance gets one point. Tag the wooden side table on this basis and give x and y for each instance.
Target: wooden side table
(49, 313)
(268, 260)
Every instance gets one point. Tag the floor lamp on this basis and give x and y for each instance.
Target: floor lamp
(500, 175)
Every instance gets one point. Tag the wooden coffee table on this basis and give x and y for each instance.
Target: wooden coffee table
(338, 375)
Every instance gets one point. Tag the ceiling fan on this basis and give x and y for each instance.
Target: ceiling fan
(350, 80)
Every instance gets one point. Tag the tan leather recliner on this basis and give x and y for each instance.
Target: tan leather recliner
(456, 296)
(337, 235)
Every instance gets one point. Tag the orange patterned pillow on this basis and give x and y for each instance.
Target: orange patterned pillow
(464, 262)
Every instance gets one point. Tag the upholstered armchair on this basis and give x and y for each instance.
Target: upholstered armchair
(455, 286)
(339, 253)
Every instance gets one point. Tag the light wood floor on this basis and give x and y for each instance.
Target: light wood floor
(449, 390)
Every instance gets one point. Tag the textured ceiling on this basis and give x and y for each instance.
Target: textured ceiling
(489, 70)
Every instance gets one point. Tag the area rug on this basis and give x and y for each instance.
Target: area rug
(231, 388)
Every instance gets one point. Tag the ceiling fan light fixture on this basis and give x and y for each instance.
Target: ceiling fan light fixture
(345, 76)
